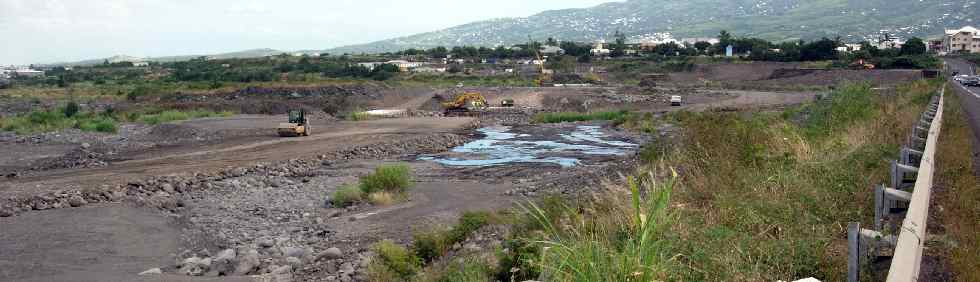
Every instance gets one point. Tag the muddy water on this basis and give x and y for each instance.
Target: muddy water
(566, 147)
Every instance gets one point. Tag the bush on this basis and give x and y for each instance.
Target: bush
(382, 198)
(430, 244)
(71, 109)
(468, 222)
(101, 124)
(387, 178)
(392, 261)
(560, 117)
(346, 195)
(358, 116)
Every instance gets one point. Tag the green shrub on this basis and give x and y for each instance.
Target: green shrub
(433, 243)
(467, 269)
(71, 109)
(393, 261)
(388, 178)
(468, 222)
(346, 195)
(100, 124)
(358, 116)
(430, 244)
(173, 115)
(560, 117)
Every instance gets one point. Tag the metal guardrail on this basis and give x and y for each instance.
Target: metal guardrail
(905, 195)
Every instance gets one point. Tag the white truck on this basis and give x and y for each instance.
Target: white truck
(676, 100)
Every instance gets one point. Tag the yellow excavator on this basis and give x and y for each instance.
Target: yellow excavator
(544, 74)
(298, 125)
(465, 103)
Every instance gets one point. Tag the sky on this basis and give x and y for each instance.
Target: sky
(48, 31)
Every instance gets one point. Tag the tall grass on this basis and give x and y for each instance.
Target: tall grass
(956, 172)
(54, 120)
(172, 115)
(388, 178)
(625, 248)
(758, 197)
(560, 117)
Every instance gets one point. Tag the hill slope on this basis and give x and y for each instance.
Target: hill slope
(853, 20)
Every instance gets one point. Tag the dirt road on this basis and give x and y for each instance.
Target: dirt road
(326, 138)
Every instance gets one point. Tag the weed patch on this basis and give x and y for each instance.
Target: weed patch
(574, 116)
(388, 178)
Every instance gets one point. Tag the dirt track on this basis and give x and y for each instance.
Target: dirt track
(326, 138)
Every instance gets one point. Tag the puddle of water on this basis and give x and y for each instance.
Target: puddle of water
(501, 146)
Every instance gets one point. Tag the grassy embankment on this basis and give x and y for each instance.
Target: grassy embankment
(757, 197)
(960, 198)
(105, 121)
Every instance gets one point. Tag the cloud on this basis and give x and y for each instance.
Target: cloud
(69, 30)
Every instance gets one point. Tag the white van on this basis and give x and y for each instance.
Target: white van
(675, 100)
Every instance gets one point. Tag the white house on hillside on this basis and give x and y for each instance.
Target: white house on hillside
(963, 40)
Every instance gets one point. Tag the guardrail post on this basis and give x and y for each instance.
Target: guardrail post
(898, 175)
(880, 209)
(854, 252)
(911, 157)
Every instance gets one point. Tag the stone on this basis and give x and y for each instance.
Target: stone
(330, 267)
(331, 253)
(6, 211)
(77, 201)
(267, 243)
(167, 187)
(346, 268)
(296, 263)
(293, 252)
(247, 262)
(195, 266)
(285, 269)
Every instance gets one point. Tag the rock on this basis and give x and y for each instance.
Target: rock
(151, 271)
(330, 267)
(40, 205)
(167, 187)
(296, 263)
(224, 262)
(347, 268)
(285, 269)
(77, 201)
(86, 145)
(247, 262)
(195, 266)
(267, 243)
(329, 254)
(293, 252)
(6, 211)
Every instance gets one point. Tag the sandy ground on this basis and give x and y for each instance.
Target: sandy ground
(326, 138)
(97, 243)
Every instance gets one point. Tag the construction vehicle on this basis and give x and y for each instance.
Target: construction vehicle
(298, 125)
(544, 74)
(465, 103)
(507, 103)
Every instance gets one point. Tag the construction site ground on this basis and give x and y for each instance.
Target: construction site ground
(280, 202)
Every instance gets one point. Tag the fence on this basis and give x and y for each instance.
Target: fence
(908, 195)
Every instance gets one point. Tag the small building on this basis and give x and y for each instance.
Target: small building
(141, 64)
(599, 49)
(552, 50)
(691, 41)
(29, 73)
(963, 40)
(847, 48)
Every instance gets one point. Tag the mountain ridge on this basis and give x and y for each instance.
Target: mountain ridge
(776, 20)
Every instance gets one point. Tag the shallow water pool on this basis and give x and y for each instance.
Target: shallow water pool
(566, 147)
